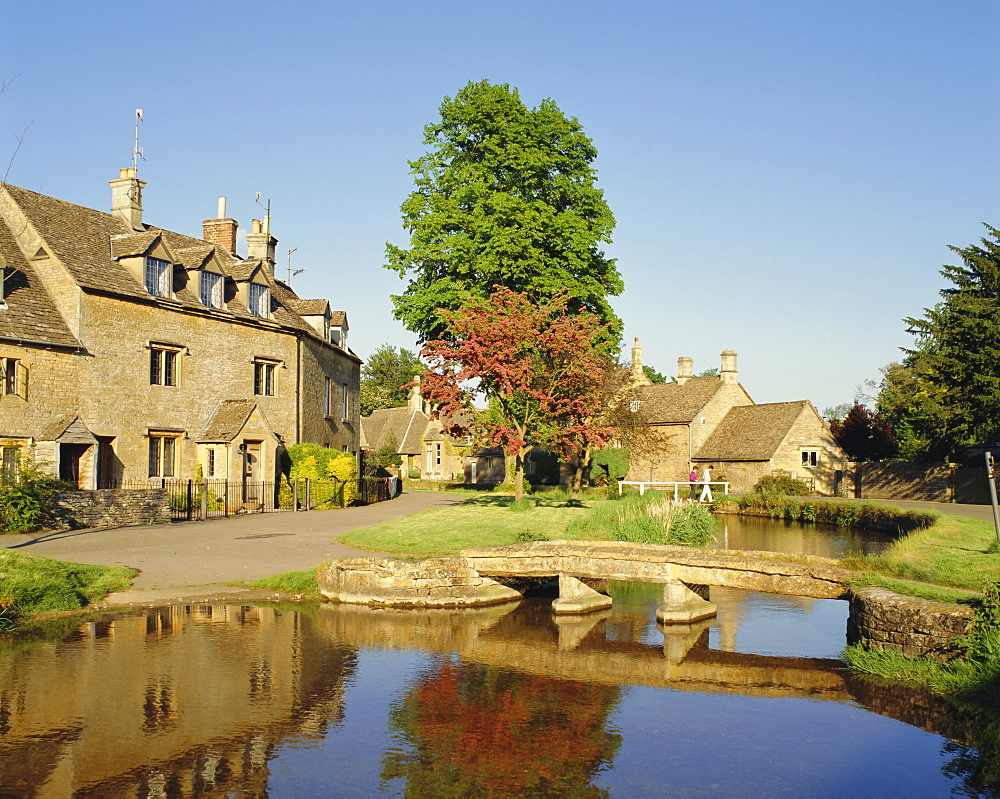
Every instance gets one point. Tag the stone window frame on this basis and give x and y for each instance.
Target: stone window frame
(164, 451)
(13, 378)
(10, 460)
(164, 365)
(345, 404)
(265, 377)
(327, 396)
(211, 292)
(810, 458)
(159, 276)
(259, 300)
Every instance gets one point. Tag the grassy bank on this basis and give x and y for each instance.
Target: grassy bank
(30, 584)
(483, 520)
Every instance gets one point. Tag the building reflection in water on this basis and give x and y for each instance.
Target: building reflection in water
(201, 700)
(177, 701)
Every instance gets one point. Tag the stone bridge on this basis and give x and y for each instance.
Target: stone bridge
(583, 568)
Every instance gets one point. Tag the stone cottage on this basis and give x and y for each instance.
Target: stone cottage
(712, 421)
(129, 352)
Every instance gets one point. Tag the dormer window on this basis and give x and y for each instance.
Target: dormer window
(211, 289)
(259, 300)
(158, 277)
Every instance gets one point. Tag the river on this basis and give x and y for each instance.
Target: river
(303, 700)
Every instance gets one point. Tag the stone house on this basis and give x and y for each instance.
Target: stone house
(713, 421)
(129, 352)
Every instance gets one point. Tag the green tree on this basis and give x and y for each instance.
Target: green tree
(957, 356)
(506, 196)
(384, 375)
(653, 375)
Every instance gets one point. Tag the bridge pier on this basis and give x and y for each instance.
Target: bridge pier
(679, 639)
(681, 605)
(575, 596)
(573, 629)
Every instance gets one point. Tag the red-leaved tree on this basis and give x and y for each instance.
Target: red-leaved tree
(539, 367)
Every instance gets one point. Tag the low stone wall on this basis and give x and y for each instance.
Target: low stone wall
(883, 620)
(920, 482)
(112, 507)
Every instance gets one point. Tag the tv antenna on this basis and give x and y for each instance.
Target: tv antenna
(292, 274)
(267, 216)
(137, 150)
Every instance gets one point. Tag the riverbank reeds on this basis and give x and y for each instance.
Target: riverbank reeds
(868, 516)
(653, 518)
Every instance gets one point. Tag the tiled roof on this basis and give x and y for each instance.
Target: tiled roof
(338, 318)
(226, 421)
(751, 432)
(672, 403)
(407, 425)
(310, 307)
(87, 242)
(31, 313)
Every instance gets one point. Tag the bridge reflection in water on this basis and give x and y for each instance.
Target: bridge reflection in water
(199, 700)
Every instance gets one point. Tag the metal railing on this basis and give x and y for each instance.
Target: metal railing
(214, 499)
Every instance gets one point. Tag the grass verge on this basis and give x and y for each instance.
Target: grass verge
(301, 583)
(31, 584)
(483, 520)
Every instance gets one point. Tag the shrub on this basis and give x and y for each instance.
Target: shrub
(656, 519)
(840, 514)
(333, 475)
(693, 525)
(25, 503)
(413, 474)
(781, 483)
(608, 466)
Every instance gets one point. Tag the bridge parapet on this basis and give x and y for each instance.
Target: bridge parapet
(652, 563)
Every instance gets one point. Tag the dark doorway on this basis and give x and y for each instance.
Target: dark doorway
(70, 458)
(109, 467)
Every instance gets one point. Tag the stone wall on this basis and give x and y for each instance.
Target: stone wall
(880, 619)
(923, 482)
(112, 507)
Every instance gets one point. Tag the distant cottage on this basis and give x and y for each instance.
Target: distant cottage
(129, 352)
(712, 421)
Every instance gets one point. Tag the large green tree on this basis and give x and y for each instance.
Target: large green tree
(384, 375)
(957, 357)
(505, 196)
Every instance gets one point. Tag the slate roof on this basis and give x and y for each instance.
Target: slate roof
(31, 313)
(226, 421)
(673, 403)
(751, 432)
(310, 307)
(87, 242)
(408, 425)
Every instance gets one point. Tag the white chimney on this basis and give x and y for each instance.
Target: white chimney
(728, 371)
(685, 368)
(126, 198)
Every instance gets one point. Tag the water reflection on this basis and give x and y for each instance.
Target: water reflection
(777, 535)
(346, 700)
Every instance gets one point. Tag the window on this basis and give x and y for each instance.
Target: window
(259, 300)
(8, 464)
(13, 378)
(327, 396)
(158, 274)
(210, 465)
(343, 401)
(162, 366)
(211, 289)
(263, 378)
(162, 454)
(810, 458)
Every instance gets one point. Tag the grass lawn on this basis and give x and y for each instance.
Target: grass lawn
(955, 552)
(32, 584)
(483, 520)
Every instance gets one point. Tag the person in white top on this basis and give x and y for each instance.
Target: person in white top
(706, 491)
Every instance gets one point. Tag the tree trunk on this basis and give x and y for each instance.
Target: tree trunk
(581, 467)
(519, 474)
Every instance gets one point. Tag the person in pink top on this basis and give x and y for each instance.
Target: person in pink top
(693, 479)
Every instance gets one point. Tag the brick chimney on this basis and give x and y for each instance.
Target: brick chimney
(126, 198)
(728, 371)
(261, 244)
(685, 368)
(221, 231)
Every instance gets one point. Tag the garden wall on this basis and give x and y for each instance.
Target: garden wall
(920, 482)
(111, 507)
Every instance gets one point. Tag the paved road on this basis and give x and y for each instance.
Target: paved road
(193, 560)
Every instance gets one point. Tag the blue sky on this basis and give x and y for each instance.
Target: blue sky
(786, 175)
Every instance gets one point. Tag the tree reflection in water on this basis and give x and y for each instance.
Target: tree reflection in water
(473, 730)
